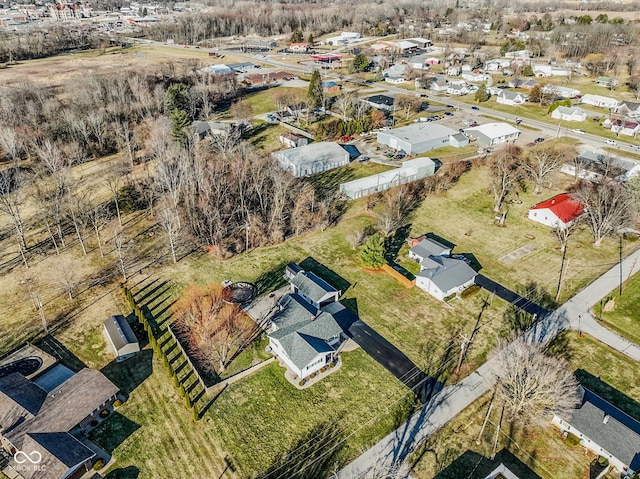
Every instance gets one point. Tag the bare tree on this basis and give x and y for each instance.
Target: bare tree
(409, 104)
(11, 184)
(98, 217)
(10, 141)
(506, 172)
(119, 244)
(114, 180)
(65, 270)
(214, 329)
(168, 219)
(608, 207)
(539, 162)
(534, 384)
(343, 104)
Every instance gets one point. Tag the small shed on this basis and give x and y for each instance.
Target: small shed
(120, 337)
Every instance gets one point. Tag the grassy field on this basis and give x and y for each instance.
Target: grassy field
(537, 451)
(624, 319)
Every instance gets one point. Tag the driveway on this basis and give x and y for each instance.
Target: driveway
(509, 296)
(390, 357)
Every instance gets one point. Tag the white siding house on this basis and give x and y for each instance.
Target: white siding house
(511, 98)
(599, 101)
(569, 114)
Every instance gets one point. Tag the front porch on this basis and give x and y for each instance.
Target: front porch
(304, 383)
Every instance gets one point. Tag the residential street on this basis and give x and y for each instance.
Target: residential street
(451, 400)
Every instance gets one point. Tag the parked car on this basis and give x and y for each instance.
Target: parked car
(346, 138)
(475, 108)
(579, 131)
(611, 142)
(362, 159)
(538, 140)
(448, 113)
(475, 123)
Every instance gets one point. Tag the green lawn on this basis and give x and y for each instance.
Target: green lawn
(624, 319)
(454, 453)
(263, 101)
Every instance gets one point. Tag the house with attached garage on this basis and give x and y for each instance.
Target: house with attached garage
(457, 89)
(629, 108)
(557, 212)
(44, 418)
(305, 332)
(441, 275)
(604, 430)
(622, 127)
(599, 101)
(569, 113)
(511, 98)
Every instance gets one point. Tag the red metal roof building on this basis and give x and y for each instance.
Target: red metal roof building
(558, 211)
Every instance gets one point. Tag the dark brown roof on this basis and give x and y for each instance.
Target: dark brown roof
(68, 404)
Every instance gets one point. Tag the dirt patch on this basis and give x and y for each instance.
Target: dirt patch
(518, 253)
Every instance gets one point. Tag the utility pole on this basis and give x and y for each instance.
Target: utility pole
(495, 442)
(561, 277)
(620, 255)
(44, 320)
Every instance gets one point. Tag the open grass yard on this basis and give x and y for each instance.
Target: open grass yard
(538, 451)
(624, 319)
(263, 101)
(464, 216)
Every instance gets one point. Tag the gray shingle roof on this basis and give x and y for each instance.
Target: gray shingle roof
(429, 247)
(620, 435)
(449, 274)
(303, 330)
(312, 286)
(66, 448)
(19, 398)
(119, 331)
(68, 404)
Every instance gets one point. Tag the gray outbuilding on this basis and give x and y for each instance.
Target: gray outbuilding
(312, 158)
(416, 138)
(120, 337)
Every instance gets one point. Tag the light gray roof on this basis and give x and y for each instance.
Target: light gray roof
(449, 274)
(565, 110)
(119, 331)
(459, 137)
(312, 286)
(493, 130)
(510, 95)
(429, 247)
(313, 152)
(620, 435)
(419, 132)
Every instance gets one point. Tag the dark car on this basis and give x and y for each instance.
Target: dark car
(448, 113)
(475, 108)
(450, 106)
(539, 140)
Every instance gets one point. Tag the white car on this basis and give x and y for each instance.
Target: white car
(611, 142)
(579, 132)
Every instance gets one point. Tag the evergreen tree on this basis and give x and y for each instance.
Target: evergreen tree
(195, 413)
(296, 36)
(310, 40)
(359, 63)
(527, 71)
(482, 94)
(181, 391)
(315, 93)
(372, 253)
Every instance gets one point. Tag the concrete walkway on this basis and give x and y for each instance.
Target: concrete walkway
(453, 399)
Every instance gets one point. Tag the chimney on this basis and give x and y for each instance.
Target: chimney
(605, 420)
(553, 201)
(313, 318)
